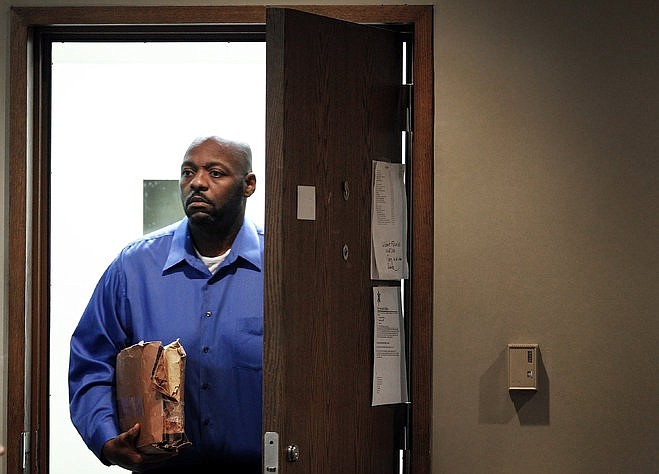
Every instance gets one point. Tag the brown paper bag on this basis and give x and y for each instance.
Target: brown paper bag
(150, 388)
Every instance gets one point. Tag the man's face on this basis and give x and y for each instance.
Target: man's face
(214, 185)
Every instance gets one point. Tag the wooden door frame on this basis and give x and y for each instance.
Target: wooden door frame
(28, 192)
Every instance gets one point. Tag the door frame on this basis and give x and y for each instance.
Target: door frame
(28, 196)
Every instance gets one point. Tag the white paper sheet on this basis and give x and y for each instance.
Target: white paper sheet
(389, 367)
(388, 222)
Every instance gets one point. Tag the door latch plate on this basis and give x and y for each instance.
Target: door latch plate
(270, 452)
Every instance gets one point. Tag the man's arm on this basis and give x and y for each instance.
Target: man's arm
(99, 336)
(102, 332)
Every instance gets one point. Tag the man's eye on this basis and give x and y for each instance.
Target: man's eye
(186, 172)
(216, 173)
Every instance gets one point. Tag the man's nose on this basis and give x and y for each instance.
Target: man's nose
(200, 180)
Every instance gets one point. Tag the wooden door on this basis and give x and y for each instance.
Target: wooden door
(332, 108)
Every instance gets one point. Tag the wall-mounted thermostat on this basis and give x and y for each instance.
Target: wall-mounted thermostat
(522, 366)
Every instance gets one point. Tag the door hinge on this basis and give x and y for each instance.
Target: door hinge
(404, 435)
(403, 423)
(25, 450)
(406, 101)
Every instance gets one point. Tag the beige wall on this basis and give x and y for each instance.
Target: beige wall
(547, 207)
(547, 200)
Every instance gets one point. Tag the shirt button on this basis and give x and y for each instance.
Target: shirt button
(209, 314)
(204, 386)
(206, 349)
(207, 422)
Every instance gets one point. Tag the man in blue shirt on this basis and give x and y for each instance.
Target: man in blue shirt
(200, 281)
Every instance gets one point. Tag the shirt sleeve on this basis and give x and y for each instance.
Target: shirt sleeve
(99, 336)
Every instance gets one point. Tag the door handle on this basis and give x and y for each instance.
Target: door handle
(292, 453)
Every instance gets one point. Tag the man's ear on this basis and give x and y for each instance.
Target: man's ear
(250, 184)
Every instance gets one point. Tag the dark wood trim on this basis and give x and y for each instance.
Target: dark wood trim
(140, 15)
(208, 15)
(28, 221)
(422, 232)
(39, 314)
(17, 285)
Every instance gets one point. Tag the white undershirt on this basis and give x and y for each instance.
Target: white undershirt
(212, 262)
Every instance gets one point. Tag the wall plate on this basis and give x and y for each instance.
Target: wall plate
(522, 367)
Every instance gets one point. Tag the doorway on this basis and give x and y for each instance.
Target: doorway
(122, 116)
(29, 152)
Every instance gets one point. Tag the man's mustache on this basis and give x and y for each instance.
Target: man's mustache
(196, 197)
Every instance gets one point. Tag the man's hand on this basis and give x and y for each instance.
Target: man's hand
(123, 452)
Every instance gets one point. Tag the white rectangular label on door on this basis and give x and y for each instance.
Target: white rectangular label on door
(306, 203)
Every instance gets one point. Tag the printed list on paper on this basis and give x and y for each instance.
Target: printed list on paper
(388, 222)
(389, 369)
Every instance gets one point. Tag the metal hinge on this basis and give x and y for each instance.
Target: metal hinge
(405, 418)
(406, 101)
(404, 424)
(25, 450)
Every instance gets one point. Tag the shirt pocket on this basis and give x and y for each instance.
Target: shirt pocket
(248, 347)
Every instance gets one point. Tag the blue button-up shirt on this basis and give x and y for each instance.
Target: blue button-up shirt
(157, 289)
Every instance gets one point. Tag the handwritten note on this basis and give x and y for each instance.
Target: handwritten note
(389, 222)
(389, 368)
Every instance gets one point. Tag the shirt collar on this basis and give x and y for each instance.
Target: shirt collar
(246, 245)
